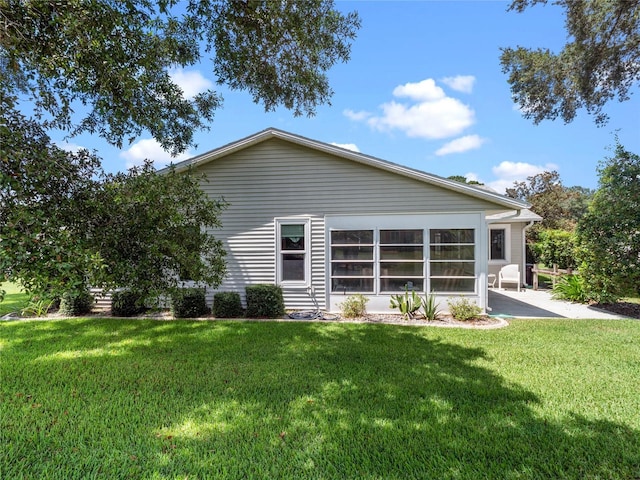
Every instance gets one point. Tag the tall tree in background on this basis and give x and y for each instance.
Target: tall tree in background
(463, 179)
(560, 207)
(599, 63)
(609, 233)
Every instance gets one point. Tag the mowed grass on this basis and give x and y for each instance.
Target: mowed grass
(106, 398)
(14, 300)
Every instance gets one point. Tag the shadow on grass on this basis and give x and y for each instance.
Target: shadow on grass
(270, 400)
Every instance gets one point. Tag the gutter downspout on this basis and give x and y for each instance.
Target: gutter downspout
(524, 249)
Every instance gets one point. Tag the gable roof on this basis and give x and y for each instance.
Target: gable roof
(274, 133)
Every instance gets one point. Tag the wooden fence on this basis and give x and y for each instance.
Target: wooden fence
(553, 273)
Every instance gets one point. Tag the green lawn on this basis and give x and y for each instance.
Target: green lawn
(15, 299)
(109, 398)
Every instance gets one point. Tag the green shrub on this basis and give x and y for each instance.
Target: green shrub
(556, 247)
(227, 305)
(74, 304)
(430, 307)
(189, 303)
(264, 301)
(463, 309)
(407, 304)
(126, 303)
(570, 287)
(354, 306)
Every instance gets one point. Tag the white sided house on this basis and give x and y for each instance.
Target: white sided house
(322, 221)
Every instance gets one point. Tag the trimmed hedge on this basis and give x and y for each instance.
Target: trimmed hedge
(189, 303)
(264, 301)
(126, 304)
(227, 305)
(74, 304)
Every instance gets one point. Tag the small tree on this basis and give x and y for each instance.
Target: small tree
(609, 234)
(64, 224)
(155, 232)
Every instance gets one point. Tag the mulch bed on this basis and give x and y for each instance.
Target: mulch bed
(626, 309)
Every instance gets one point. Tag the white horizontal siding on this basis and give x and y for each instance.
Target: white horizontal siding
(279, 179)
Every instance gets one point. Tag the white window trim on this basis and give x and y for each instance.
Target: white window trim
(507, 243)
(306, 222)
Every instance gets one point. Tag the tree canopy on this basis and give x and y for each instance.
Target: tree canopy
(113, 59)
(609, 233)
(560, 207)
(600, 62)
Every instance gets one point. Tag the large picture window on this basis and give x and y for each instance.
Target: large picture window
(293, 251)
(452, 260)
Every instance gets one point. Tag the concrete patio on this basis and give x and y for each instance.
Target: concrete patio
(529, 303)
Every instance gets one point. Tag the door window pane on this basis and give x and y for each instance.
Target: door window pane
(497, 242)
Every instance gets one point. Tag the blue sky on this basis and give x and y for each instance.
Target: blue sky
(424, 88)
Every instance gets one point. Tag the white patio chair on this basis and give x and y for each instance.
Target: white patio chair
(509, 274)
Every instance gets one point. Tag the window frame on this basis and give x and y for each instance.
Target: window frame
(433, 261)
(355, 261)
(376, 276)
(280, 252)
(417, 261)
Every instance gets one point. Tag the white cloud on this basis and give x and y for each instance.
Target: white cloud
(348, 146)
(356, 116)
(509, 172)
(429, 113)
(426, 91)
(462, 144)
(517, 170)
(460, 83)
(191, 82)
(149, 148)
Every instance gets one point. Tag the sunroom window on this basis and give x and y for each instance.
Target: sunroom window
(352, 261)
(401, 260)
(452, 260)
